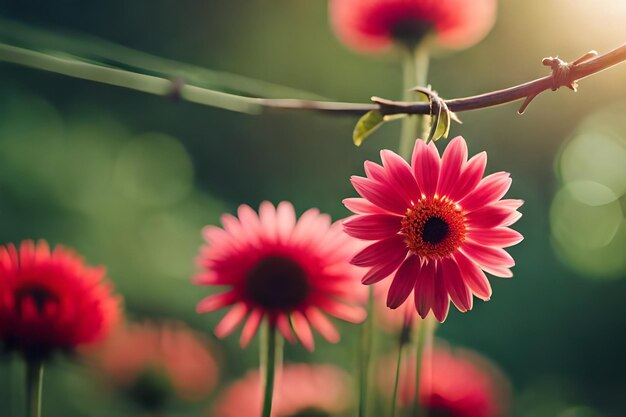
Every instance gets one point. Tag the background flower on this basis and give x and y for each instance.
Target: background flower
(315, 390)
(289, 272)
(150, 360)
(374, 25)
(51, 300)
(457, 383)
(436, 225)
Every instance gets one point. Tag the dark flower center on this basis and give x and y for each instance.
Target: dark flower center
(435, 230)
(39, 295)
(410, 31)
(310, 412)
(277, 283)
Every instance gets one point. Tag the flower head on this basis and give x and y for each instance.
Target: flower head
(301, 390)
(436, 225)
(454, 383)
(51, 300)
(374, 25)
(149, 361)
(289, 272)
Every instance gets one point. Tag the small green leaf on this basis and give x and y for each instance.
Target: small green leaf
(434, 123)
(443, 127)
(366, 125)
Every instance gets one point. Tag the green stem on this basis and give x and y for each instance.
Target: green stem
(423, 340)
(34, 387)
(365, 358)
(271, 357)
(415, 73)
(401, 348)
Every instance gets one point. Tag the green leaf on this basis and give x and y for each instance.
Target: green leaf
(443, 125)
(366, 125)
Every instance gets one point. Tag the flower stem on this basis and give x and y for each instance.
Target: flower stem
(365, 359)
(423, 340)
(415, 73)
(269, 354)
(34, 387)
(403, 342)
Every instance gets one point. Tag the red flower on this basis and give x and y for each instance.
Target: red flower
(436, 225)
(301, 390)
(374, 25)
(453, 383)
(51, 300)
(290, 272)
(136, 355)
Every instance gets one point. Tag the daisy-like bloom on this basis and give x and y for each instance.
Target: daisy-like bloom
(436, 225)
(375, 25)
(289, 272)
(52, 301)
(151, 361)
(453, 383)
(301, 390)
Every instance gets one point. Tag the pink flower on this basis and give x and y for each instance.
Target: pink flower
(300, 390)
(52, 301)
(289, 272)
(455, 383)
(374, 25)
(170, 351)
(436, 225)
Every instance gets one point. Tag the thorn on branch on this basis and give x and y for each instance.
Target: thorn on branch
(561, 75)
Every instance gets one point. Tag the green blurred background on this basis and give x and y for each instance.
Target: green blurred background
(129, 179)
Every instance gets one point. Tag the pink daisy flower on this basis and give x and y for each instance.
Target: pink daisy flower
(374, 25)
(436, 225)
(301, 390)
(290, 272)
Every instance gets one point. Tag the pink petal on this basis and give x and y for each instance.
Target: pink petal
(362, 206)
(372, 226)
(379, 194)
(374, 171)
(283, 325)
(424, 291)
(285, 219)
(322, 324)
(216, 301)
(382, 252)
(459, 292)
(425, 163)
(303, 330)
(231, 320)
(452, 161)
(502, 237)
(442, 299)
(353, 314)
(474, 277)
(487, 256)
(267, 215)
(404, 282)
(491, 216)
(471, 175)
(250, 223)
(400, 176)
(307, 229)
(490, 189)
(380, 272)
(250, 328)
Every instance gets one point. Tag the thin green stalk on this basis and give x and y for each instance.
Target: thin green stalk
(403, 342)
(423, 340)
(365, 356)
(270, 350)
(34, 387)
(415, 73)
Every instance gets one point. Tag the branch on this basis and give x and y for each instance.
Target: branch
(563, 74)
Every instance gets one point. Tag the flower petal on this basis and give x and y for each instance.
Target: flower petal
(231, 320)
(470, 177)
(424, 291)
(382, 252)
(362, 206)
(425, 163)
(322, 324)
(372, 226)
(284, 327)
(216, 301)
(404, 282)
(285, 220)
(502, 237)
(459, 292)
(400, 176)
(490, 189)
(442, 299)
(474, 277)
(452, 161)
(488, 217)
(487, 256)
(379, 194)
(250, 328)
(303, 330)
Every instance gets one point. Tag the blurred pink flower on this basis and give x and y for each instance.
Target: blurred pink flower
(440, 212)
(289, 272)
(374, 25)
(453, 383)
(166, 350)
(52, 301)
(300, 390)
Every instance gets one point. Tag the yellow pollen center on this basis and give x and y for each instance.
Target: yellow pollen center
(434, 228)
